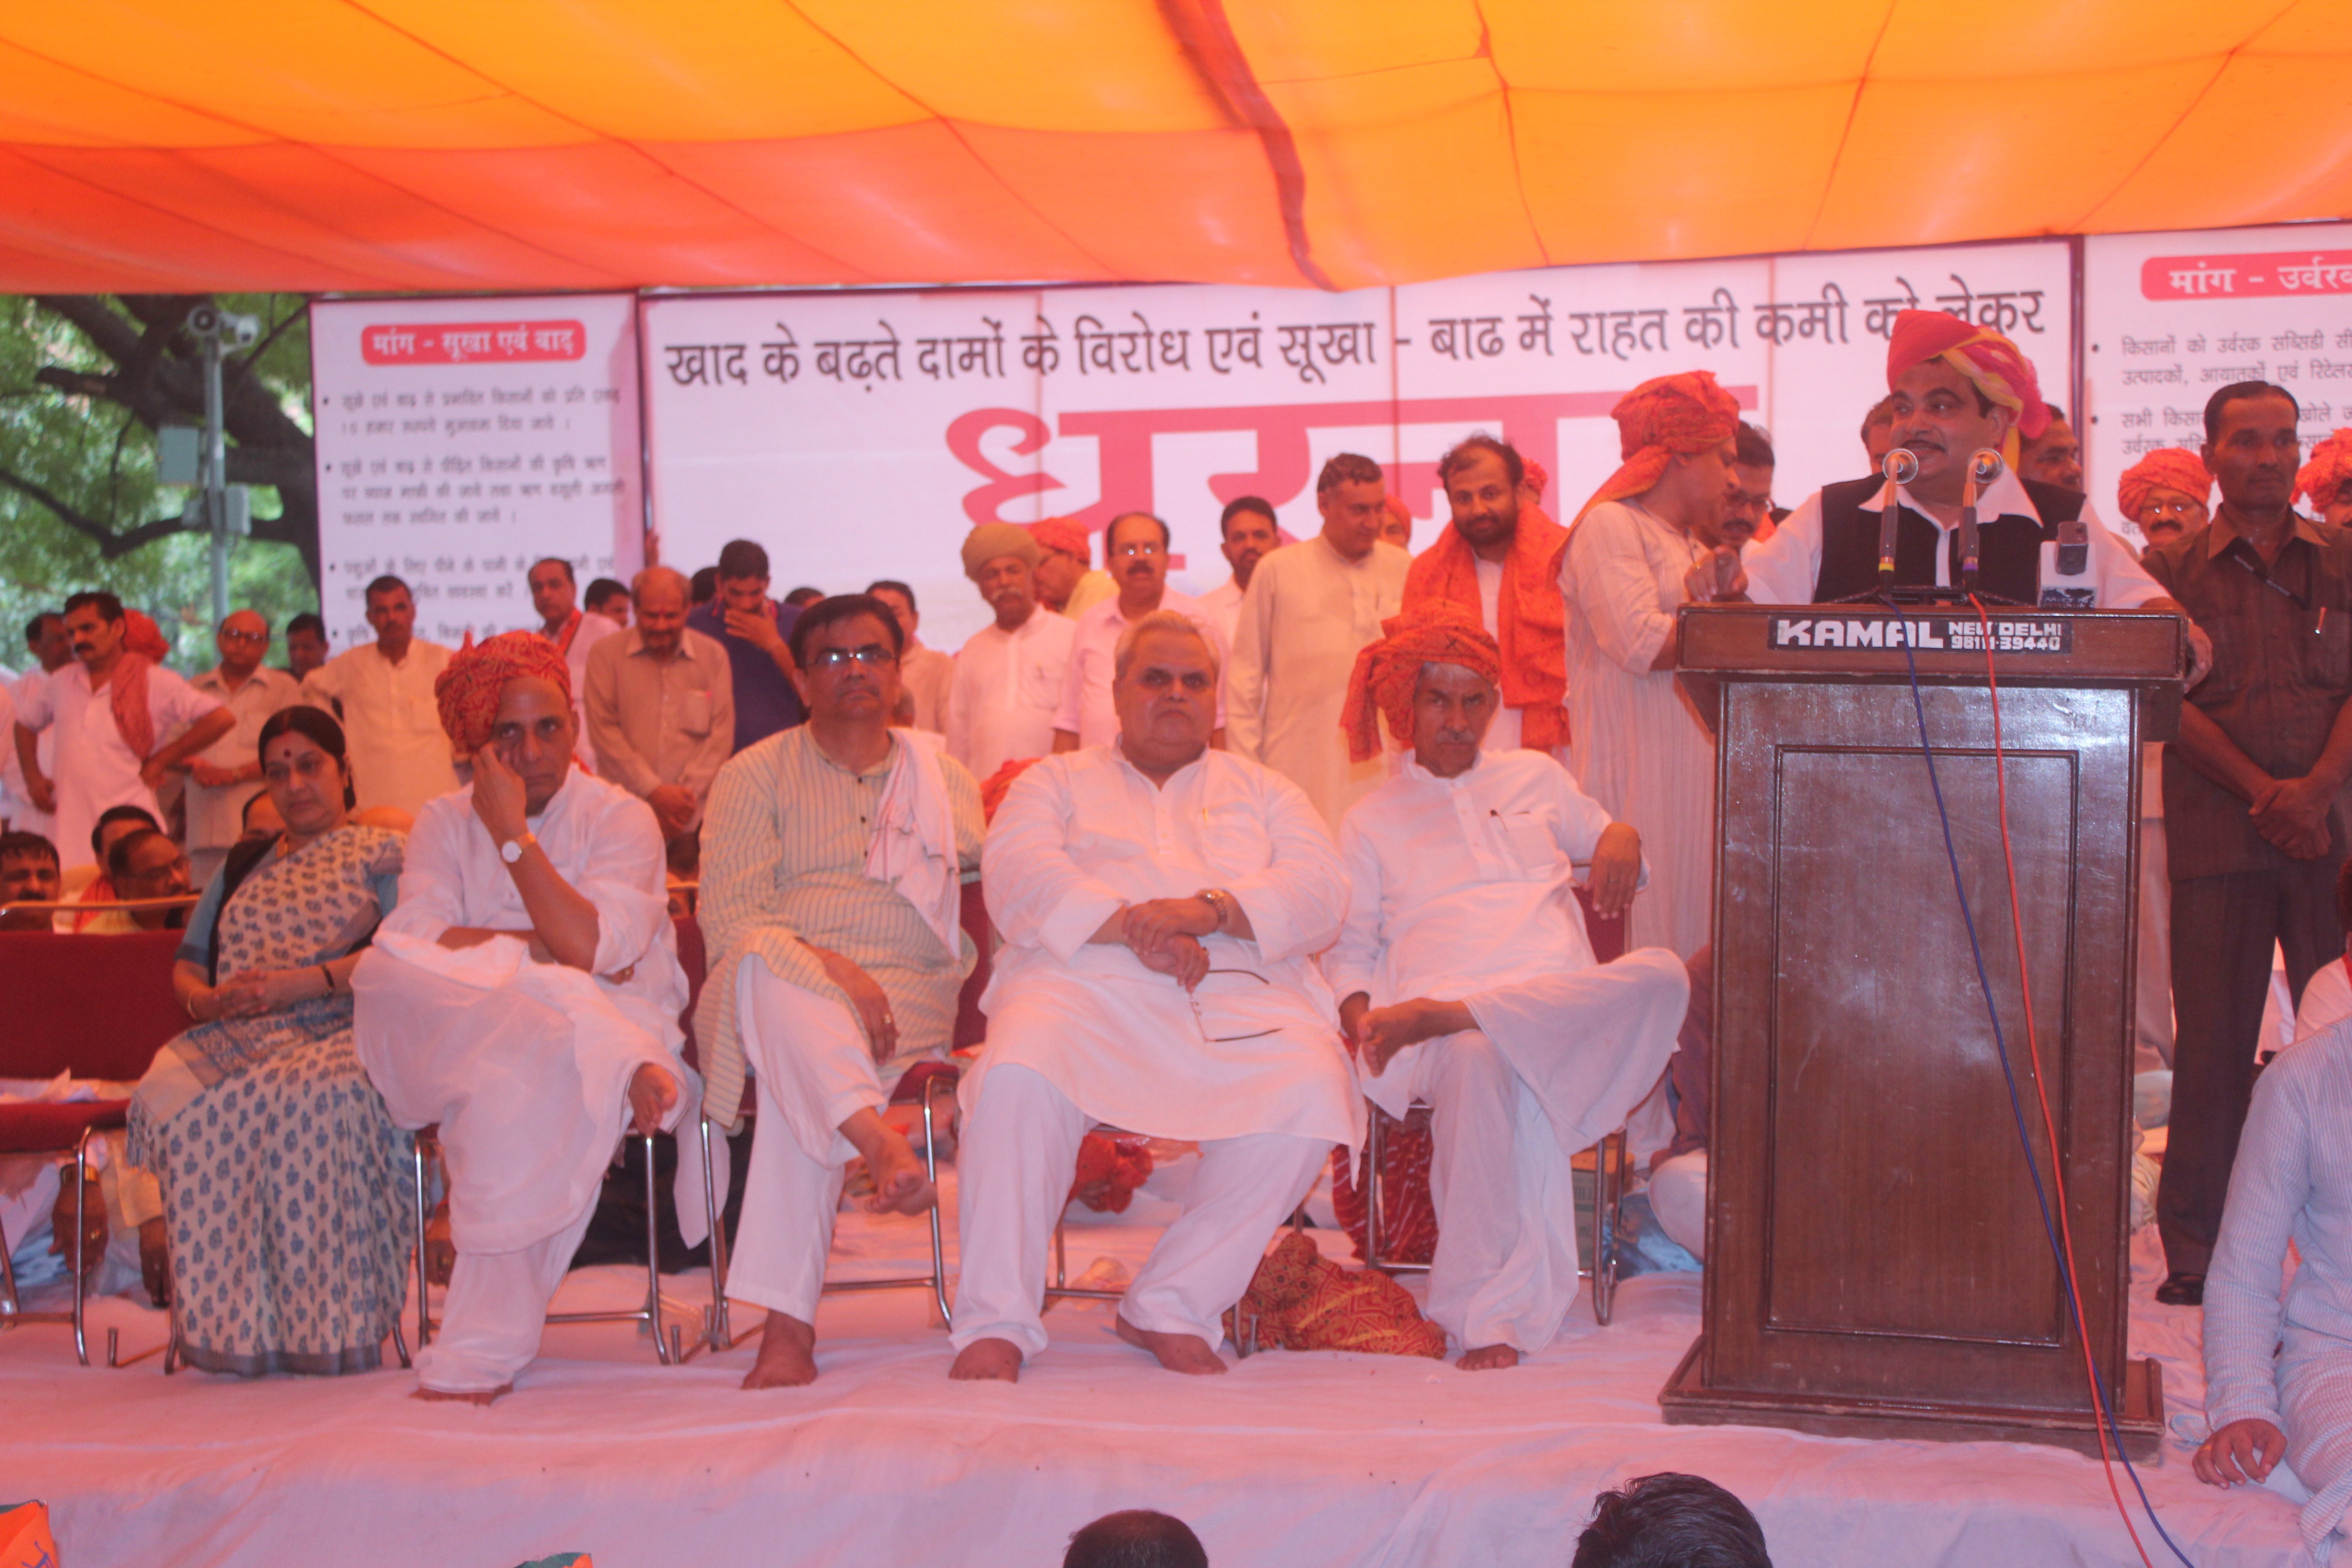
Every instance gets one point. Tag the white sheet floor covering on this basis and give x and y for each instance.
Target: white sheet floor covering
(1292, 1461)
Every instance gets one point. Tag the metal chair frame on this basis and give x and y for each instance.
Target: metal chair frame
(1609, 1168)
(12, 1309)
(718, 1330)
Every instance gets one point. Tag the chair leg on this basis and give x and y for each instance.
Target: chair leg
(653, 1258)
(1372, 1188)
(10, 1306)
(719, 1335)
(82, 1237)
(424, 1303)
(400, 1343)
(931, 1171)
(1609, 1163)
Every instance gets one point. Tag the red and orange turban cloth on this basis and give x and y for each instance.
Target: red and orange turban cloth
(2172, 468)
(1659, 419)
(1437, 632)
(1060, 533)
(2329, 470)
(1987, 359)
(468, 689)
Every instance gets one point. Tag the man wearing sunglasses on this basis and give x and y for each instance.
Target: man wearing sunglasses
(1162, 905)
(226, 774)
(833, 856)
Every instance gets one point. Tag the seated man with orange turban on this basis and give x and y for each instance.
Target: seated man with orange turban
(1068, 582)
(1958, 388)
(2326, 481)
(524, 995)
(2165, 494)
(1466, 979)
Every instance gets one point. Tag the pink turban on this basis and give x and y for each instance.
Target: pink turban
(1987, 359)
(1063, 534)
(2329, 470)
(1436, 632)
(469, 689)
(1672, 414)
(2173, 469)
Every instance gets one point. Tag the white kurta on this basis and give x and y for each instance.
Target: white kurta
(1462, 891)
(1006, 690)
(1309, 612)
(215, 812)
(1223, 604)
(1254, 1049)
(400, 754)
(92, 768)
(1086, 709)
(1637, 744)
(1503, 735)
(926, 674)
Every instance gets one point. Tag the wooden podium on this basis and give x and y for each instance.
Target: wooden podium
(1876, 1263)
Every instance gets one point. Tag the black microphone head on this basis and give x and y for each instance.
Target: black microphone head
(1900, 466)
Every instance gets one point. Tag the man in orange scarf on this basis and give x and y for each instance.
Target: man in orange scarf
(1498, 559)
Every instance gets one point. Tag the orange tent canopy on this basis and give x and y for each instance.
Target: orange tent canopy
(472, 144)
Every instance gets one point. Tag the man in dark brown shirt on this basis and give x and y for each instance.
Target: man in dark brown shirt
(2256, 814)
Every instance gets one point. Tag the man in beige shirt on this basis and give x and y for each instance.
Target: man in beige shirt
(660, 701)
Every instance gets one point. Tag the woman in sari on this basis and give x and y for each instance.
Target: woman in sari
(286, 1187)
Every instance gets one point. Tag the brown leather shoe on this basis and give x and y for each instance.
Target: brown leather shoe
(2182, 1290)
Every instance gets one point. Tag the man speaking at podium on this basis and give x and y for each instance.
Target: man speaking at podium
(1956, 389)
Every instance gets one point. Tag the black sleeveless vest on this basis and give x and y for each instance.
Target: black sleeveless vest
(2009, 548)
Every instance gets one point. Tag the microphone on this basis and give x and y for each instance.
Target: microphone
(1900, 467)
(1984, 467)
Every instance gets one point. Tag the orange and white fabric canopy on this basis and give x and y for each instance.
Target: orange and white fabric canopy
(472, 144)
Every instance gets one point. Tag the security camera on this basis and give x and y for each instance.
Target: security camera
(205, 321)
(243, 331)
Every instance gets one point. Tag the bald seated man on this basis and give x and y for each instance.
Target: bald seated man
(226, 774)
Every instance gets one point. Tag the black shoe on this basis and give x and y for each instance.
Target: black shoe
(2182, 1290)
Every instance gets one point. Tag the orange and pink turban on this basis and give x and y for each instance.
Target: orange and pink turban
(468, 689)
(1437, 632)
(2329, 470)
(1063, 534)
(1659, 419)
(1987, 359)
(1538, 479)
(2172, 468)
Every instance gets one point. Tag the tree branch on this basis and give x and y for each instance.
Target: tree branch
(110, 543)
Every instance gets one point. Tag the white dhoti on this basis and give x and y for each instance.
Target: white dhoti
(526, 1068)
(2315, 1398)
(1014, 1167)
(1555, 1065)
(1678, 1198)
(812, 1071)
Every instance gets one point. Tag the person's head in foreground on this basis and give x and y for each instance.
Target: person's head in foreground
(1002, 562)
(2252, 448)
(2165, 493)
(1433, 677)
(28, 874)
(306, 644)
(306, 776)
(2326, 481)
(508, 703)
(1670, 1520)
(1247, 534)
(146, 864)
(1751, 475)
(1137, 1538)
(1352, 497)
(1164, 685)
(1958, 388)
(845, 652)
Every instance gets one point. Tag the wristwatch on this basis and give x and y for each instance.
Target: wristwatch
(511, 850)
(1220, 901)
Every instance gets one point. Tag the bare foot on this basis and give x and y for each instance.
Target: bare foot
(987, 1360)
(899, 1184)
(787, 1354)
(1488, 1358)
(452, 1397)
(1187, 1354)
(652, 1092)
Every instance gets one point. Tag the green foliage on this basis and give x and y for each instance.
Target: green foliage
(98, 457)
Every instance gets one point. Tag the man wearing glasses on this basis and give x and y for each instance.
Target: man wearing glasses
(1136, 547)
(834, 855)
(1161, 906)
(226, 774)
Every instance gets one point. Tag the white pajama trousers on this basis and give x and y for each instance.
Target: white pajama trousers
(1019, 1150)
(2315, 1388)
(812, 1072)
(494, 1312)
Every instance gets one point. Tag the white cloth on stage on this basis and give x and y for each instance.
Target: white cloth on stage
(1020, 1144)
(1636, 743)
(2288, 1361)
(526, 1066)
(1678, 1198)
(399, 754)
(1249, 1066)
(1007, 688)
(1309, 612)
(93, 767)
(496, 1311)
(1461, 891)
(2327, 997)
(1087, 710)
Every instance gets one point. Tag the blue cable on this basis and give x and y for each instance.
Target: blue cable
(2016, 1105)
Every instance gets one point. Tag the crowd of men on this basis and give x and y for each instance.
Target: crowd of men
(1344, 795)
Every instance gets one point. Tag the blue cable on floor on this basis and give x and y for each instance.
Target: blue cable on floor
(2016, 1106)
